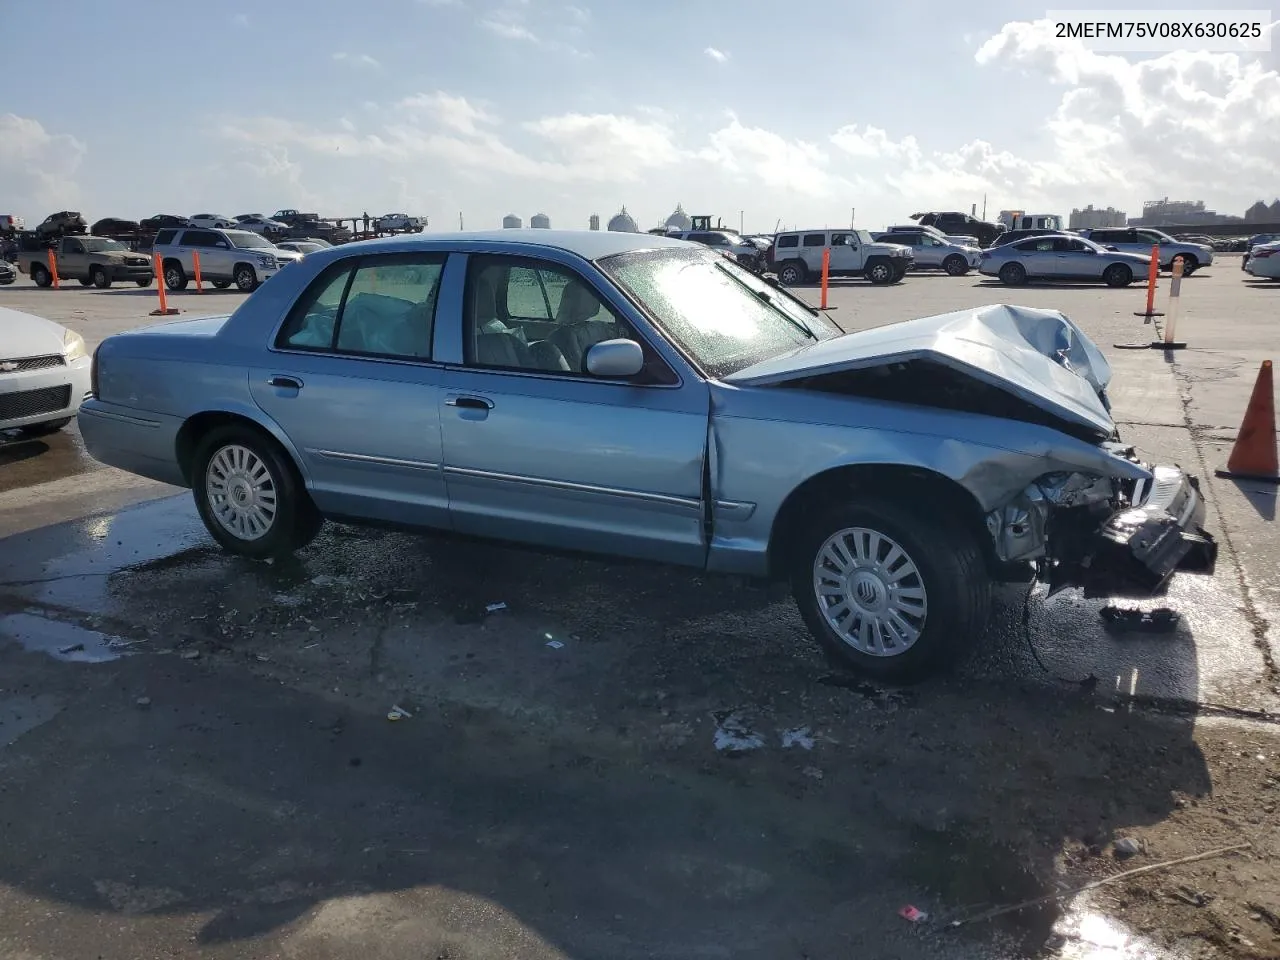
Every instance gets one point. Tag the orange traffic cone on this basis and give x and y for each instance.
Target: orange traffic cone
(1254, 455)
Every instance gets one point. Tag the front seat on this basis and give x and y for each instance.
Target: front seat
(576, 332)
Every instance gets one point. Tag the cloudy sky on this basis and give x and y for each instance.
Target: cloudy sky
(484, 107)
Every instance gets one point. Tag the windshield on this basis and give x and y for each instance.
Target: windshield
(100, 245)
(246, 240)
(722, 316)
(304, 247)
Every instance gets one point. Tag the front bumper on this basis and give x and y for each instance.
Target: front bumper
(38, 396)
(132, 272)
(1136, 551)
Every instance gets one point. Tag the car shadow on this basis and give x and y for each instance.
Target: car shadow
(14, 447)
(992, 282)
(1255, 283)
(604, 759)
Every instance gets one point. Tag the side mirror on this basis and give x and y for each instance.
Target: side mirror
(615, 358)
(1113, 248)
(223, 244)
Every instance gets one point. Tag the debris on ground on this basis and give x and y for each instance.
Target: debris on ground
(1160, 620)
(71, 648)
(554, 644)
(1126, 847)
(495, 607)
(398, 712)
(799, 737)
(142, 703)
(190, 654)
(912, 914)
(733, 737)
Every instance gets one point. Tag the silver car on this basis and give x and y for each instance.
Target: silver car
(226, 257)
(647, 398)
(933, 253)
(1061, 257)
(1142, 239)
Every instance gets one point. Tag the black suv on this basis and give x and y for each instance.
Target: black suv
(951, 222)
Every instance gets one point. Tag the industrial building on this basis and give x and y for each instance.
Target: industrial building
(1092, 219)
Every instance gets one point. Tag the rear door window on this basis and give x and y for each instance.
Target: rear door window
(815, 239)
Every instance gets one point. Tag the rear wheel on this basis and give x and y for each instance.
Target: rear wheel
(793, 272)
(99, 277)
(40, 275)
(143, 283)
(84, 281)
(246, 279)
(880, 272)
(1189, 264)
(221, 284)
(1117, 275)
(955, 265)
(175, 278)
(1013, 274)
(250, 495)
(888, 589)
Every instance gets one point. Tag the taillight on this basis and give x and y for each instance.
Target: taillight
(1261, 254)
(93, 373)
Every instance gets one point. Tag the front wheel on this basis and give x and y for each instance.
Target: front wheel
(175, 278)
(250, 496)
(220, 284)
(889, 590)
(955, 265)
(246, 279)
(143, 283)
(880, 272)
(1117, 275)
(793, 273)
(100, 278)
(40, 275)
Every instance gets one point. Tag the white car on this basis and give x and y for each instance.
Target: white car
(260, 224)
(399, 221)
(44, 373)
(1264, 261)
(213, 221)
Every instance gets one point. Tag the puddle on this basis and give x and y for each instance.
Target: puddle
(62, 641)
(1084, 934)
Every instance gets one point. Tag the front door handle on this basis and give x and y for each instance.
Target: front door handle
(467, 402)
(288, 383)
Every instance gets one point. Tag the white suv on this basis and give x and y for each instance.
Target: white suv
(796, 256)
(226, 257)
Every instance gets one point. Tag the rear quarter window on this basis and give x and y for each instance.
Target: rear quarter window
(165, 237)
(789, 241)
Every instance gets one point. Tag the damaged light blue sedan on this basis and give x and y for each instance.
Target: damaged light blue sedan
(638, 396)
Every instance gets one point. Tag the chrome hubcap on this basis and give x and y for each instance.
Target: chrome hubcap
(241, 492)
(870, 592)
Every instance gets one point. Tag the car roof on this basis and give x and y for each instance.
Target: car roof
(588, 244)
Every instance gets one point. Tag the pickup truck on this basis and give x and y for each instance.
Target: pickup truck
(91, 260)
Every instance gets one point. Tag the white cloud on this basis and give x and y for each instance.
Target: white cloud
(456, 113)
(357, 59)
(37, 168)
(719, 56)
(616, 147)
(509, 30)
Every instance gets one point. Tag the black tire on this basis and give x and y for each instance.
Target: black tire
(84, 281)
(1117, 275)
(44, 429)
(1013, 274)
(143, 283)
(899, 275)
(880, 271)
(951, 574)
(175, 278)
(792, 273)
(1189, 264)
(100, 278)
(245, 277)
(221, 284)
(40, 275)
(955, 265)
(295, 521)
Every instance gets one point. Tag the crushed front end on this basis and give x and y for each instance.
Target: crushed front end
(1108, 536)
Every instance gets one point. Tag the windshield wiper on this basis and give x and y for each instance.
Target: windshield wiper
(767, 298)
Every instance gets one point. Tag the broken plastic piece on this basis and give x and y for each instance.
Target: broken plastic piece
(495, 607)
(1160, 620)
(398, 713)
(554, 644)
(913, 914)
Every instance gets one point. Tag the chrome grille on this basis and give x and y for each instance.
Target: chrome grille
(31, 363)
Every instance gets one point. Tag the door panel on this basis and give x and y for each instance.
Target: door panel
(535, 450)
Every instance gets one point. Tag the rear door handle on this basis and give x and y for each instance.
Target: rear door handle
(469, 402)
(289, 383)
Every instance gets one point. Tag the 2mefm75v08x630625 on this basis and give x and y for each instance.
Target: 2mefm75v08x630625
(1146, 30)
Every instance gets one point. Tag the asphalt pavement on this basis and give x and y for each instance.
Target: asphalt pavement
(592, 759)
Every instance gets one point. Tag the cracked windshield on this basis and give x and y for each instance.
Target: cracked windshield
(625, 481)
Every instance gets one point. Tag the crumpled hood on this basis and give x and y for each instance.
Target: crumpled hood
(1040, 356)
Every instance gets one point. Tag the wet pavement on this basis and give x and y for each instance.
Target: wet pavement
(620, 760)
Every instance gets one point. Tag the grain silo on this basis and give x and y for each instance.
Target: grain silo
(540, 221)
(623, 223)
(512, 222)
(594, 222)
(679, 221)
